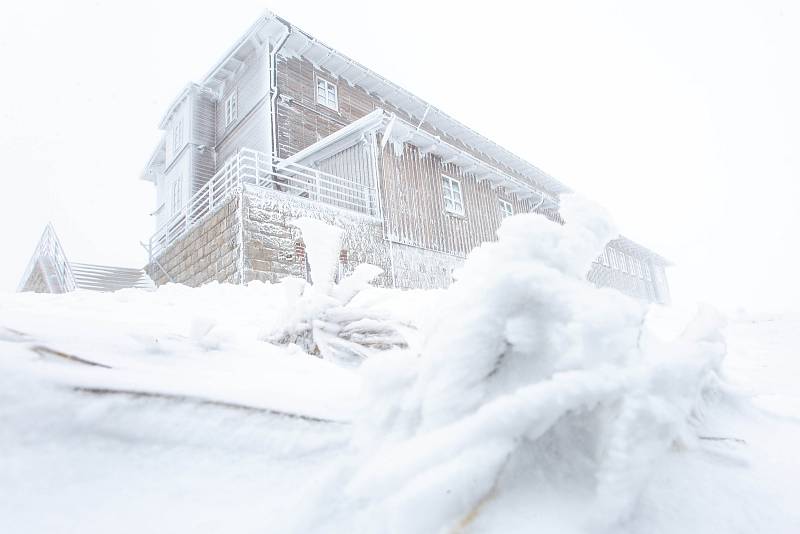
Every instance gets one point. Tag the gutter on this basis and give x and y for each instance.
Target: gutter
(273, 85)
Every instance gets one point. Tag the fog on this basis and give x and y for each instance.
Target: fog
(681, 118)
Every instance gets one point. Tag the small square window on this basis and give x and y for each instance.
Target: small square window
(327, 94)
(231, 108)
(453, 199)
(506, 208)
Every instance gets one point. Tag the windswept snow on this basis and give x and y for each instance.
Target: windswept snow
(521, 399)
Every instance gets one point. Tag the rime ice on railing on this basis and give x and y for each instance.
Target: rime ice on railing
(50, 257)
(259, 169)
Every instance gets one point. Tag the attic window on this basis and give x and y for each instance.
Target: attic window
(327, 94)
(453, 199)
(231, 108)
(506, 209)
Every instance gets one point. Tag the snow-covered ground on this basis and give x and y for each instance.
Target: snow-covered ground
(519, 400)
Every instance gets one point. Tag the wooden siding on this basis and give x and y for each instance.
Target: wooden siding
(356, 164)
(302, 121)
(413, 200)
(251, 129)
(203, 134)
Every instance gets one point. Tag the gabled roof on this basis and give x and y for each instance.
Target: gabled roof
(269, 27)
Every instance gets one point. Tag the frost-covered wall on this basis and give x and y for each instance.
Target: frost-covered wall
(415, 267)
(251, 125)
(273, 248)
(209, 251)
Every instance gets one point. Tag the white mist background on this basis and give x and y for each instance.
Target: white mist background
(682, 118)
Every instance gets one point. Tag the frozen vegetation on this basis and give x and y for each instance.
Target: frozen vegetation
(522, 399)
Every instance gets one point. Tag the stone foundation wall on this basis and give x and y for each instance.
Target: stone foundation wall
(273, 249)
(208, 252)
(419, 268)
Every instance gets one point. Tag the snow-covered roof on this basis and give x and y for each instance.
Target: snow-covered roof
(640, 251)
(398, 131)
(176, 104)
(157, 159)
(270, 27)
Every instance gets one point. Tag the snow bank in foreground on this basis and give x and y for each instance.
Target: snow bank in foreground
(521, 399)
(528, 373)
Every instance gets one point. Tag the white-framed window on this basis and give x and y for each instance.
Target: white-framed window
(453, 198)
(327, 94)
(231, 107)
(177, 137)
(176, 196)
(506, 208)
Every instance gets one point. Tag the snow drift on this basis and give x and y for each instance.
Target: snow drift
(528, 373)
(522, 398)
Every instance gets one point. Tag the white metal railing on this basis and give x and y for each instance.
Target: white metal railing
(253, 167)
(49, 255)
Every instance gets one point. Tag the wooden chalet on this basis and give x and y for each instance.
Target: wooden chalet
(285, 126)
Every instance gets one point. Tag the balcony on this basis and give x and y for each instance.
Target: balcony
(261, 170)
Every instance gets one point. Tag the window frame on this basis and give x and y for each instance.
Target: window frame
(325, 100)
(177, 137)
(176, 196)
(503, 211)
(230, 108)
(447, 186)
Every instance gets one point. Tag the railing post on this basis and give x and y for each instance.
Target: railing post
(211, 194)
(239, 167)
(258, 166)
(316, 185)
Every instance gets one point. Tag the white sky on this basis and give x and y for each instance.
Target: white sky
(681, 117)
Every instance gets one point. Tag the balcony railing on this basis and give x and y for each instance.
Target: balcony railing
(253, 167)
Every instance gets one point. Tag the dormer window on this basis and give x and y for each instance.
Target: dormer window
(231, 107)
(327, 94)
(506, 208)
(453, 199)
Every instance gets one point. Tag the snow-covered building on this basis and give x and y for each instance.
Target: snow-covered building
(285, 126)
